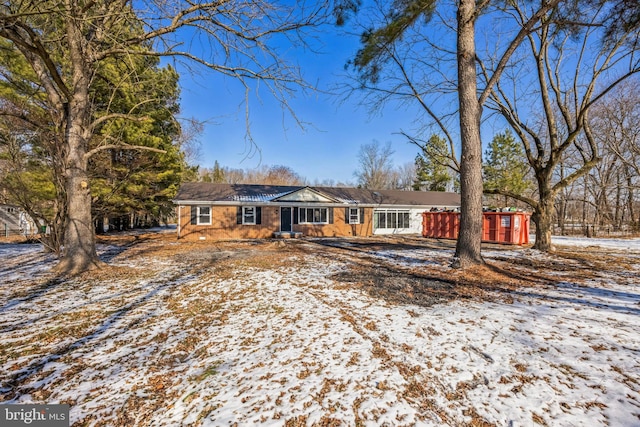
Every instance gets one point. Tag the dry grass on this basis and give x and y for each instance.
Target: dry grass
(501, 273)
(210, 265)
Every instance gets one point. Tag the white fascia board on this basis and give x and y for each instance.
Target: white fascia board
(191, 202)
(414, 206)
(287, 204)
(403, 206)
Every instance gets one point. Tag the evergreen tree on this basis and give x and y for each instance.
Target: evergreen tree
(432, 172)
(30, 172)
(128, 183)
(134, 186)
(505, 169)
(217, 175)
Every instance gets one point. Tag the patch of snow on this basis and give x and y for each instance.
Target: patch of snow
(631, 244)
(201, 344)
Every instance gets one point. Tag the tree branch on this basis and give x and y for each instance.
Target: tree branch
(121, 146)
(529, 201)
(525, 29)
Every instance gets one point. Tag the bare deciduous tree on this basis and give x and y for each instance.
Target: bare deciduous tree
(406, 174)
(615, 125)
(572, 69)
(267, 175)
(65, 42)
(375, 170)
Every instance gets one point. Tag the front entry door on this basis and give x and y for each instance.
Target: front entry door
(285, 219)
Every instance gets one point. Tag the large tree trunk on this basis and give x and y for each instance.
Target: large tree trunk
(79, 250)
(470, 236)
(543, 218)
(79, 244)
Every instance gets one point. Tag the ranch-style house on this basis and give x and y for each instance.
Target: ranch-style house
(241, 211)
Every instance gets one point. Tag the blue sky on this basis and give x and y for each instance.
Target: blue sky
(326, 150)
(336, 128)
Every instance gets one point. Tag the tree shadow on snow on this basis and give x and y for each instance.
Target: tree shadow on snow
(17, 384)
(564, 292)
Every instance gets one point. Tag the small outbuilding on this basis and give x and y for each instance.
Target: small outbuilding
(240, 211)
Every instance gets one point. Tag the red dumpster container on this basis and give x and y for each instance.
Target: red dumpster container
(497, 227)
(440, 225)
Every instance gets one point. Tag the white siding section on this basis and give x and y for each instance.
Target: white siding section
(415, 222)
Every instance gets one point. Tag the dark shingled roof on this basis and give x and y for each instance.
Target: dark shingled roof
(245, 193)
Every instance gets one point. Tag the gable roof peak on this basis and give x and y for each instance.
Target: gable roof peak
(306, 194)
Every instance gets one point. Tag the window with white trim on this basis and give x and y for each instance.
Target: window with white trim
(391, 219)
(313, 215)
(249, 215)
(204, 215)
(354, 216)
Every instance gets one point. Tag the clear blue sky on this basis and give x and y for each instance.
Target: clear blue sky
(326, 149)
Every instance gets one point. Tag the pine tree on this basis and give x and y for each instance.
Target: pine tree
(506, 170)
(217, 175)
(432, 172)
(133, 185)
(123, 182)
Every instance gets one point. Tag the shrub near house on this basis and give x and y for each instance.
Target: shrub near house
(240, 211)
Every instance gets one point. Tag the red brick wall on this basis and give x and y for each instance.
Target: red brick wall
(224, 225)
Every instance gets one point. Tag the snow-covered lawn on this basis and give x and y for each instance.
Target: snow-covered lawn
(325, 333)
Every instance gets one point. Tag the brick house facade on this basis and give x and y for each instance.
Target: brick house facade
(239, 211)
